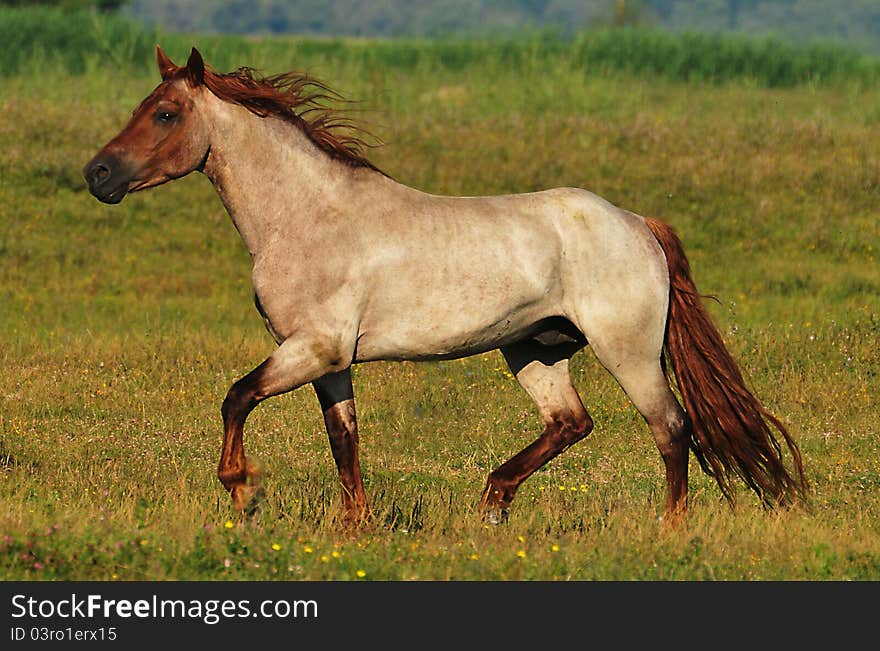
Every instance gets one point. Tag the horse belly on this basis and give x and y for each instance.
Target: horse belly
(455, 319)
(423, 341)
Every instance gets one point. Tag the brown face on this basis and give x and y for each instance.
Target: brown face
(164, 139)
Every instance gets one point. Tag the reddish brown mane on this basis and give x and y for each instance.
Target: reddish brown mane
(299, 99)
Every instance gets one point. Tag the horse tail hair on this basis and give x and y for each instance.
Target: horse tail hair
(731, 432)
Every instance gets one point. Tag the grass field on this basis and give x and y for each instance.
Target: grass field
(122, 328)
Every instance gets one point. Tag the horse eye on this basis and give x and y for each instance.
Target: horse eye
(165, 116)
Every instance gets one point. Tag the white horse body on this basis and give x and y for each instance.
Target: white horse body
(420, 276)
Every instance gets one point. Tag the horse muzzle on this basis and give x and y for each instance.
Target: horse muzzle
(108, 178)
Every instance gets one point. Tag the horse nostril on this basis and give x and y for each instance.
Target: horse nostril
(98, 173)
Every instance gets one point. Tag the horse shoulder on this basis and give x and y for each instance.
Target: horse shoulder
(309, 290)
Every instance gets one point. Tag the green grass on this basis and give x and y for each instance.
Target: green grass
(122, 328)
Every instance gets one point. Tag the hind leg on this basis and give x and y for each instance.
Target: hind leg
(644, 382)
(543, 373)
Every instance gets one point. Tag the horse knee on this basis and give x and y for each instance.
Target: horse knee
(240, 398)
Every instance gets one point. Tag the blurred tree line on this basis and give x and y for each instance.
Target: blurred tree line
(102, 5)
(856, 22)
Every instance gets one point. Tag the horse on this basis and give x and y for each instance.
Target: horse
(351, 266)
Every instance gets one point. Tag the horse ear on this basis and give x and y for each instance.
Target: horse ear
(195, 68)
(166, 65)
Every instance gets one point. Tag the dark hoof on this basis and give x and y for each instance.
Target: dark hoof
(253, 508)
(495, 515)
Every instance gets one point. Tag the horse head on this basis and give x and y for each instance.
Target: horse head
(164, 140)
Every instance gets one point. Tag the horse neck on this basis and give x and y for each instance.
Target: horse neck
(271, 178)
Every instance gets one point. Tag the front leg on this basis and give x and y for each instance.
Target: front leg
(298, 360)
(336, 396)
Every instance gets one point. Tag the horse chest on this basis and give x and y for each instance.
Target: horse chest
(294, 292)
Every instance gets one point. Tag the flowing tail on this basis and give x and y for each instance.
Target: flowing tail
(731, 431)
